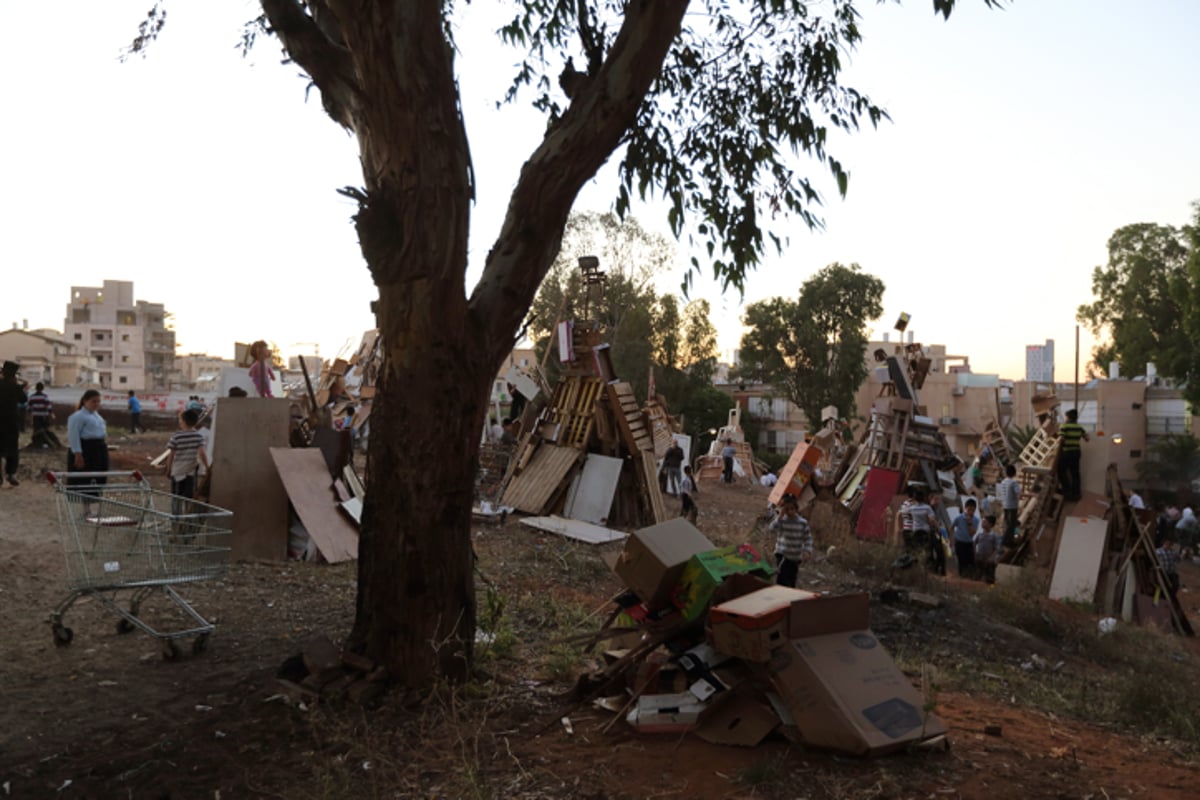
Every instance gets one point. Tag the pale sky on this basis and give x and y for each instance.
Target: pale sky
(1021, 139)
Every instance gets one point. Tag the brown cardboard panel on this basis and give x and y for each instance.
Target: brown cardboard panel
(734, 718)
(309, 485)
(654, 558)
(244, 479)
(845, 693)
(824, 615)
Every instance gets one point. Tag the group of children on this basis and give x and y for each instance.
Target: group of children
(977, 543)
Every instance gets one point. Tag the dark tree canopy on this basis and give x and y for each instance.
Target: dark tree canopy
(1142, 296)
(720, 106)
(813, 349)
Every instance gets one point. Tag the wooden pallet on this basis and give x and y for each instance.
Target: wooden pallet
(994, 438)
(629, 417)
(541, 480)
(887, 439)
(572, 409)
(1041, 451)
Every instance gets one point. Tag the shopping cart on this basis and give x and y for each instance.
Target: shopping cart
(121, 535)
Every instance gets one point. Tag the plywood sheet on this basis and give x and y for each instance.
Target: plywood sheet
(591, 495)
(1077, 567)
(530, 490)
(310, 488)
(244, 479)
(575, 529)
(882, 486)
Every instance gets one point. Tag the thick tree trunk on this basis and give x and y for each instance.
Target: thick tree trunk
(416, 599)
(385, 71)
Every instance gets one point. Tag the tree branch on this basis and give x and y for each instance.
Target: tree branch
(571, 153)
(308, 42)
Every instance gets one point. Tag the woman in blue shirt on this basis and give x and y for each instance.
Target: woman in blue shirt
(86, 432)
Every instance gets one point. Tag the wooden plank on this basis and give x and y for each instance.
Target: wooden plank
(575, 529)
(1077, 566)
(244, 479)
(540, 479)
(310, 488)
(882, 485)
(650, 485)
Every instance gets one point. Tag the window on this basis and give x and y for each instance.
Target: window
(79, 337)
(124, 359)
(123, 379)
(99, 359)
(124, 337)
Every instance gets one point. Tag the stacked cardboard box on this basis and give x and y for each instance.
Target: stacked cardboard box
(730, 656)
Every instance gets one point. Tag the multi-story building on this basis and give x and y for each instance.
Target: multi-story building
(46, 357)
(201, 372)
(1039, 362)
(130, 340)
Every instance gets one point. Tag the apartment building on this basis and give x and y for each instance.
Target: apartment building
(129, 339)
(46, 357)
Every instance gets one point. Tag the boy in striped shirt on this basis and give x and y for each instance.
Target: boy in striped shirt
(793, 541)
(187, 450)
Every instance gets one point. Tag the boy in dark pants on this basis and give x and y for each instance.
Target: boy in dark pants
(965, 525)
(793, 541)
(687, 490)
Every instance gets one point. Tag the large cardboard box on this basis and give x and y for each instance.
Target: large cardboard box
(845, 693)
(796, 473)
(654, 557)
(753, 625)
(705, 571)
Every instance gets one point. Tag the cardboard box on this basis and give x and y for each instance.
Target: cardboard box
(845, 693)
(665, 713)
(753, 625)
(796, 473)
(705, 571)
(827, 614)
(654, 557)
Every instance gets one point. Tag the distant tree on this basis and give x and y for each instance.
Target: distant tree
(1191, 388)
(667, 324)
(1142, 299)
(712, 108)
(1172, 464)
(699, 341)
(813, 349)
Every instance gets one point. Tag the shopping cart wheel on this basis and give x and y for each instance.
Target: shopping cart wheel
(200, 644)
(63, 635)
(124, 626)
(170, 650)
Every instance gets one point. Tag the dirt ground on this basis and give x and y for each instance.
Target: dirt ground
(107, 716)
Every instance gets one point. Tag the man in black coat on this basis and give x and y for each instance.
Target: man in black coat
(12, 400)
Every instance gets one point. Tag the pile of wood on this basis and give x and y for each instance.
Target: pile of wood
(592, 435)
(710, 466)
(899, 445)
(1122, 575)
(1041, 502)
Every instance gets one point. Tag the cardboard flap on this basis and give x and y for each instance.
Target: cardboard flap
(823, 615)
(735, 718)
